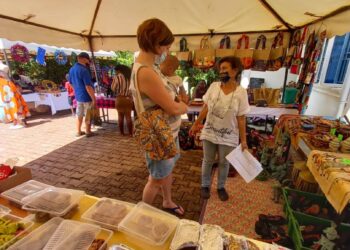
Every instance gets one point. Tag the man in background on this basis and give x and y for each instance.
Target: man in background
(80, 78)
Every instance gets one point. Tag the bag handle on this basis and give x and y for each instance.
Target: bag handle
(225, 42)
(258, 40)
(278, 41)
(138, 100)
(204, 43)
(183, 45)
(246, 40)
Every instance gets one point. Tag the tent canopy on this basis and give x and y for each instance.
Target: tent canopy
(112, 24)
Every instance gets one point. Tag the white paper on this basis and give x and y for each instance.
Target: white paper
(244, 162)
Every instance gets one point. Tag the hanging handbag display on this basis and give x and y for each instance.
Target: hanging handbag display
(224, 48)
(260, 56)
(152, 131)
(184, 54)
(246, 54)
(297, 61)
(204, 57)
(291, 53)
(276, 53)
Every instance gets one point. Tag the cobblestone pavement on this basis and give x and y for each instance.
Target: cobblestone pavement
(107, 165)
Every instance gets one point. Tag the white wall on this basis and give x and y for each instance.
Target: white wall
(323, 101)
(273, 79)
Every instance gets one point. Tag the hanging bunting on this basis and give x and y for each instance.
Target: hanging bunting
(60, 57)
(40, 56)
(73, 58)
(19, 53)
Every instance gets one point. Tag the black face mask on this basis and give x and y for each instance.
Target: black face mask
(224, 77)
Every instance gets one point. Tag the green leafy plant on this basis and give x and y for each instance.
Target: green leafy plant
(195, 75)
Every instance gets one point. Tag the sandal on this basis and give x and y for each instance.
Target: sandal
(90, 134)
(175, 210)
(80, 134)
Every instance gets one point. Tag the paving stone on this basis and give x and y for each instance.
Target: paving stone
(106, 165)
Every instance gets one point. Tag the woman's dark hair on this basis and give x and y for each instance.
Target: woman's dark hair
(125, 70)
(235, 63)
(153, 32)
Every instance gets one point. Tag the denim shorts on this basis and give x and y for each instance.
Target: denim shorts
(163, 168)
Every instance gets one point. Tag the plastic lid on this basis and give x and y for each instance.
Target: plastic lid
(149, 224)
(73, 235)
(39, 237)
(19, 192)
(54, 201)
(108, 213)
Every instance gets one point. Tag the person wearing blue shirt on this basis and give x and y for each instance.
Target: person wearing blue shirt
(80, 78)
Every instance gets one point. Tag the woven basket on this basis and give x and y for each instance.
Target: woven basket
(320, 140)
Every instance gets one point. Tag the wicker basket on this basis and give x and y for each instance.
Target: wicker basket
(320, 140)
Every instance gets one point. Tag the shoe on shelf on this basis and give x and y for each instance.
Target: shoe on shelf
(205, 193)
(222, 194)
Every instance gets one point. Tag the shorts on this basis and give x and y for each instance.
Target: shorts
(71, 100)
(163, 168)
(83, 109)
(123, 104)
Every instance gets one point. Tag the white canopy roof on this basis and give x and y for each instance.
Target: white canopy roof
(112, 24)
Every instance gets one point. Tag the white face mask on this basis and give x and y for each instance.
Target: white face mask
(161, 58)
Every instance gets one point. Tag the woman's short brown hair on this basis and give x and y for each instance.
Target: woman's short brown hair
(153, 32)
(235, 63)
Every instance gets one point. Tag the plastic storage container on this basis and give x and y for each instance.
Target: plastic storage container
(16, 235)
(19, 192)
(73, 235)
(148, 224)
(54, 201)
(108, 213)
(186, 235)
(39, 237)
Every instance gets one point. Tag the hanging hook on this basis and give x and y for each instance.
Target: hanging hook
(211, 31)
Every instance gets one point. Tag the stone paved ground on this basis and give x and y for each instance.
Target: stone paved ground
(106, 165)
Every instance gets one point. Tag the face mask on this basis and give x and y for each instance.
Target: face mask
(224, 77)
(161, 58)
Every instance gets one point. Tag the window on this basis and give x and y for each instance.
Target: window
(339, 60)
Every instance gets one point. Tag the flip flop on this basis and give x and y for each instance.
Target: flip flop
(80, 134)
(174, 210)
(90, 134)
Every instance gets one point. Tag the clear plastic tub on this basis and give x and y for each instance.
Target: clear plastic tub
(108, 213)
(19, 192)
(148, 224)
(14, 219)
(186, 235)
(73, 235)
(37, 239)
(54, 201)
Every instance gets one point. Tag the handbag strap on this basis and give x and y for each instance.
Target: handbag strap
(246, 40)
(204, 43)
(278, 41)
(138, 100)
(258, 40)
(183, 44)
(225, 42)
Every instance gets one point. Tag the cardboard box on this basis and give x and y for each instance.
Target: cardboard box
(20, 175)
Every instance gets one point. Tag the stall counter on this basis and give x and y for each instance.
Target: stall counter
(117, 238)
